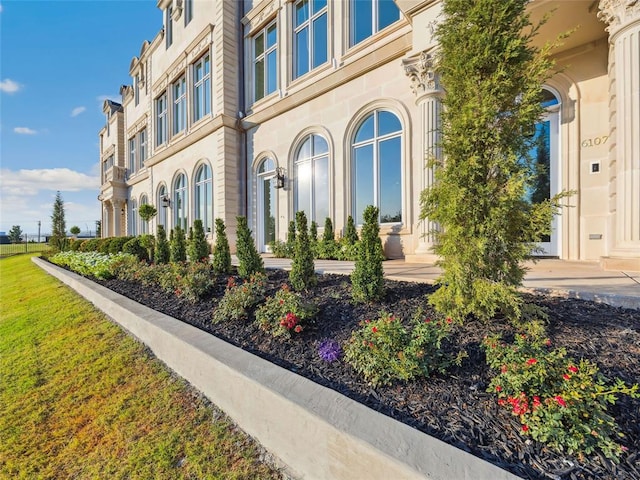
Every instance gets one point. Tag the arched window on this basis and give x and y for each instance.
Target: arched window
(377, 166)
(162, 206)
(312, 178)
(204, 197)
(144, 227)
(267, 203)
(179, 202)
(133, 218)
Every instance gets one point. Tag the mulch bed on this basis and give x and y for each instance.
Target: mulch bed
(454, 408)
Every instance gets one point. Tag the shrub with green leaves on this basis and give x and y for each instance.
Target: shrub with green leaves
(279, 249)
(302, 275)
(162, 251)
(313, 237)
(286, 313)
(367, 277)
(291, 238)
(148, 241)
(249, 260)
(327, 247)
(134, 248)
(221, 252)
(117, 244)
(240, 299)
(195, 280)
(198, 248)
(384, 350)
(177, 245)
(559, 401)
(91, 264)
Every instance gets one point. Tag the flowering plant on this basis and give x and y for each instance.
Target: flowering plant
(384, 350)
(329, 350)
(560, 401)
(93, 264)
(285, 313)
(239, 299)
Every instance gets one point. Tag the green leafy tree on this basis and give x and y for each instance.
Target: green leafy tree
(198, 246)
(492, 74)
(162, 253)
(147, 212)
(15, 234)
(221, 252)
(302, 275)
(75, 230)
(98, 228)
(328, 247)
(177, 245)
(249, 260)
(367, 277)
(350, 232)
(313, 237)
(291, 238)
(58, 224)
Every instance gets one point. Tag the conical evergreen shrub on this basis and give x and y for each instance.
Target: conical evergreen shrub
(177, 245)
(249, 260)
(302, 275)
(198, 247)
(161, 254)
(367, 278)
(221, 252)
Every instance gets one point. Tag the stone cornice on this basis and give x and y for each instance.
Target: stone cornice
(618, 14)
(421, 70)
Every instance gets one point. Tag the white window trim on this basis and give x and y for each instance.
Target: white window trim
(263, 56)
(308, 23)
(202, 83)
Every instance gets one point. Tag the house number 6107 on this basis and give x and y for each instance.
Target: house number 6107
(595, 141)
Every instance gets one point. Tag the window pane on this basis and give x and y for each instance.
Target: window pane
(272, 71)
(388, 123)
(548, 98)
(305, 149)
(320, 145)
(302, 12)
(303, 187)
(206, 65)
(363, 174)
(198, 72)
(319, 5)
(302, 52)
(388, 13)
(320, 44)
(272, 35)
(321, 188)
(267, 166)
(207, 97)
(365, 132)
(389, 156)
(269, 210)
(259, 46)
(259, 79)
(361, 23)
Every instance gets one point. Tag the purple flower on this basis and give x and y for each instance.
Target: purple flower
(329, 350)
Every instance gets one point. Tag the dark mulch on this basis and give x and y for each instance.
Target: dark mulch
(454, 408)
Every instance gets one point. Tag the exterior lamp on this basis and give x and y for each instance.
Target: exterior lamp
(280, 177)
(166, 201)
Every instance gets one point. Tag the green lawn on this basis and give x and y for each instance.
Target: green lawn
(16, 248)
(81, 399)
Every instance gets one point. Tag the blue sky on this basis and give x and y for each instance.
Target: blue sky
(59, 60)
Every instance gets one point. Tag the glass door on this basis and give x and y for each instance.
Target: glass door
(267, 205)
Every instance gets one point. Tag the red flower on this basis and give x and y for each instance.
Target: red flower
(449, 320)
(573, 369)
(498, 388)
(428, 320)
(566, 377)
(298, 329)
(502, 401)
(532, 361)
(503, 369)
(525, 428)
(374, 329)
(560, 401)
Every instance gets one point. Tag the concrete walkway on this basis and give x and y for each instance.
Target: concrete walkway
(584, 280)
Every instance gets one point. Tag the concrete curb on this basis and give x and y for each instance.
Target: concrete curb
(318, 433)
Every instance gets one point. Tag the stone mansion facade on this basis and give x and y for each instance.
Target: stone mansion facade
(266, 107)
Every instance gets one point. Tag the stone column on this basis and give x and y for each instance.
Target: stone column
(623, 24)
(118, 217)
(425, 85)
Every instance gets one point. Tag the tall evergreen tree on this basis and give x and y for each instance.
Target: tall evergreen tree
(367, 278)
(161, 253)
(58, 224)
(178, 245)
(198, 247)
(302, 275)
(221, 252)
(249, 260)
(492, 75)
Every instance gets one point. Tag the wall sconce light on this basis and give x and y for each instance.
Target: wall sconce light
(280, 177)
(166, 201)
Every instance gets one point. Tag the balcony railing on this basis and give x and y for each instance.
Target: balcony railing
(115, 174)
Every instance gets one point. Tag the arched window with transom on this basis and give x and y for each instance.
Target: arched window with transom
(376, 166)
(180, 201)
(204, 196)
(312, 178)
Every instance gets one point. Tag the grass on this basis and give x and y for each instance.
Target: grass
(81, 399)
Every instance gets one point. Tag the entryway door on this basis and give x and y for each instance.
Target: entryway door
(267, 204)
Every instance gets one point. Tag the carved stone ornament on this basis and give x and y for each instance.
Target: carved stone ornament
(421, 72)
(618, 13)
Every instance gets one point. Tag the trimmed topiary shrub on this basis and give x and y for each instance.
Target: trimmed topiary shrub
(177, 245)
(198, 248)
(249, 260)
(133, 247)
(291, 239)
(161, 254)
(302, 275)
(328, 247)
(221, 252)
(117, 243)
(367, 278)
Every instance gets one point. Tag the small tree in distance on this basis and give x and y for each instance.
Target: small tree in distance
(221, 252)
(75, 230)
(15, 234)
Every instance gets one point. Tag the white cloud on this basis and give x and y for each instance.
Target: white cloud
(77, 111)
(0, 8)
(30, 182)
(24, 131)
(9, 86)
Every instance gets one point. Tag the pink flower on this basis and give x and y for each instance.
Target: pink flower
(449, 320)
(532, 361)
(560, 401)
(503, 369)
(573, 369)
(428, 320)
(566, 377)
(298, 329)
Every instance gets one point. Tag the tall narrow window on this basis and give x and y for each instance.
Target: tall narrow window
(142, 143)
(377, 166)
(265, 61)
(168, 29)
(133, 218)
(144, 227)
(132, 156)
(161, 119)
(179, 94)
(201, 88)
(204, 197)
(179, 203)
(371, 16)
(310, 35)
(312, 178)
(188, 11)
(267, 204)
(136, 89)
